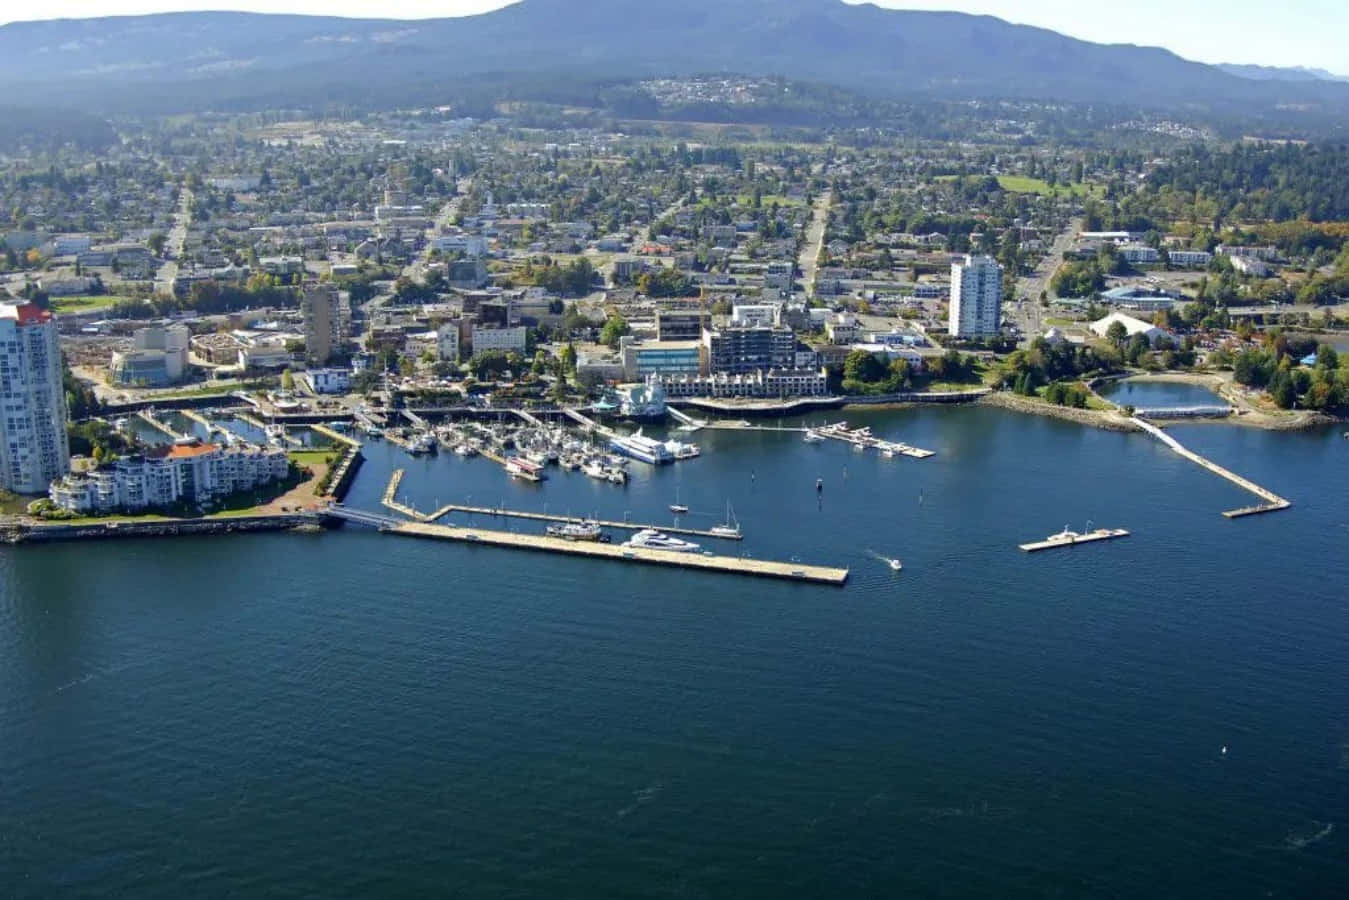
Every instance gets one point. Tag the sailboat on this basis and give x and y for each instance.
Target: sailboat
(676, 507)
(731, 528)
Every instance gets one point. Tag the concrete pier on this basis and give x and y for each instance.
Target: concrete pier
(543, 517)
(730, 564)
(1272, 501)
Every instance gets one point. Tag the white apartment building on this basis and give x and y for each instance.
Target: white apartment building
(976, 297)
(188, 471)
(447, 341)
(34, 449)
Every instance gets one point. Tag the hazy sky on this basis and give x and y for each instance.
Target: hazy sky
(1291, 33)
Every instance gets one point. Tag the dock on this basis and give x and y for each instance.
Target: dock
(862, 439)
(1071, 539)
(148, 417)
(334, 436)
(1272, 501)
(587, 423)
(737, 565)
(390, 501)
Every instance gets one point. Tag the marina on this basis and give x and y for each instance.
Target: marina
(862, 439)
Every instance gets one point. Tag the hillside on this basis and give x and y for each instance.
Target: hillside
(237, 60)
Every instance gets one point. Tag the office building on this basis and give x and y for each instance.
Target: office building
(159, 357)
(976, 298)
(681, 324)
(33, 445)
(740, 350)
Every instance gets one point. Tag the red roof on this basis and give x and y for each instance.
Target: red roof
(184, 451)
(31, 314)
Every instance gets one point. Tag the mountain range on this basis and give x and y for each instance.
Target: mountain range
(185, 61)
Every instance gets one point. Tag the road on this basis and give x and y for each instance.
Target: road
(1029, 314)
(176, 244)
(809, 260)
(417, 269)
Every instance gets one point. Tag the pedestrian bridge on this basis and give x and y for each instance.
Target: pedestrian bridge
(1184, 412)
(360, 516)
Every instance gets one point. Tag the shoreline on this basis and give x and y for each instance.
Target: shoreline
(1243, 412)
(1092, 417)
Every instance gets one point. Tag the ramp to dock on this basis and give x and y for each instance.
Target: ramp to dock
(1272, 501)
(790, 571)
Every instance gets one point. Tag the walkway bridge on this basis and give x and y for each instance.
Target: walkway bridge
(360, 516)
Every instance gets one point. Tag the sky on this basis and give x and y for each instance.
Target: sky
(1291, 33)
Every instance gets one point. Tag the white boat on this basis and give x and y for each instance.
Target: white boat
(813, 437)
(518, 467)
(594, 469)
(576, 531)
(617, 476)
(896, 565)
(676, 507)
(681, 450)
(642, 448)
(731, 528)
(422, 443)
(465, 450)
(650, 539)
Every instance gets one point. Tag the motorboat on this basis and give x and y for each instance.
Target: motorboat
(576, 531)
(676, 507)
(650, 539)
(813, 437)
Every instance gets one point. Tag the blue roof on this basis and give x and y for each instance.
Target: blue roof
(1309, 359)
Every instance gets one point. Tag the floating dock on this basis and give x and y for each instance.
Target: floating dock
(335, 436)
(1273, 502)
(862, 438)
(1070, 539)
(790, 571)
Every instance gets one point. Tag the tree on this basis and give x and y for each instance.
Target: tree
(1117, 333)
(157, 242)
(613, 330)
(287, 380)
(568, 357)
(1281, 389)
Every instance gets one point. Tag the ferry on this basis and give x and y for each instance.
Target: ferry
(576, 531)
(642, 448)
(650, 539)
(518, 467)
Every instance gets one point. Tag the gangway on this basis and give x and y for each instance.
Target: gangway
(689, 423)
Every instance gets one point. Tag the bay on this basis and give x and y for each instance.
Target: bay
(355, 714)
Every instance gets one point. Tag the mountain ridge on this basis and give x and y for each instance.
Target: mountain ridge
(189, 60)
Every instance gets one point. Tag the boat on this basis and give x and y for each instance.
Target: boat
(465, 450)
(424, 442)
(813, 437)
(121, 425)
(594, 469)
(518, 467)
(617, 476)
(895, 564)
(650, 539)
(731, 529)
(681, 450)
(575, 531)
(819, 485)
(641, 448)
(676, 507)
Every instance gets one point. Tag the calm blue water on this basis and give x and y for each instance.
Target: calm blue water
(359, 714)
(1154, 394)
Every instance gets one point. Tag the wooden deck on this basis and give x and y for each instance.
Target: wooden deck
(790, 571)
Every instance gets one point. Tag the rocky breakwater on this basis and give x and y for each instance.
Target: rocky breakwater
(26, 532)
(1111, 421)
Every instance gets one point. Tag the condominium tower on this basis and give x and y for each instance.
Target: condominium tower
(34, 449)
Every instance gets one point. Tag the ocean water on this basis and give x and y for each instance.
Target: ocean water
(360, 714)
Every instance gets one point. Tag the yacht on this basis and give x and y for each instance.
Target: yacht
(676, 507)
(650, 539)
(813, 436)
(617, 476)
(422, 443)
(594, 469)
(895, 564)
(642, 448)
(576, 531)
(681, 450)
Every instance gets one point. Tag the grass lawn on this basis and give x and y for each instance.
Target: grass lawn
(83, 304)
(1020, 184)
(311, 457)
(768, 200)
(13, 504)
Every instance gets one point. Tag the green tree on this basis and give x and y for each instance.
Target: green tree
(568, 356)
(613, 330)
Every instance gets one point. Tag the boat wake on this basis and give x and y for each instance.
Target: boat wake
(1314, 833)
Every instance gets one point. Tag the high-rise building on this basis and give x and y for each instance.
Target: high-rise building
(34, 449)
(976, 297)
(738, 350)
(325, 323)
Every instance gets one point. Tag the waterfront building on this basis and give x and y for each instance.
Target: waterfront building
(187, 471)
(158, 357)
(756, 384)
(643, 358)
(328, 381)
(326, 320)
(642, 401)
(448, 338)
(976, 297)
(33, 444)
